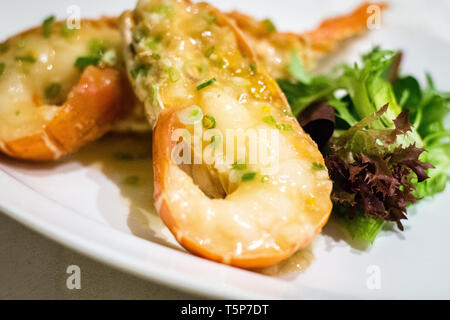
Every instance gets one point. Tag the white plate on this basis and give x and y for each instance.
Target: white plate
(82, 203)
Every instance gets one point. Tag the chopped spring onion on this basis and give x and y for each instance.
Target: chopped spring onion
(317, 166)
(140, 70)
(138, 35)
(28, 59)
(209, 122)
(283, 127)
(163, 9)
(2, 68)
(47, 26)
(83, 62)
(155, 95)
(191, 115)
(248, 176)
(206, 84)
(269, 120)
(110, 57)
(265, 178)
(270, 26)
(174, 74)
(215, 140)
(53, 90)
(152, 43)
(97, 47)
(239, 166)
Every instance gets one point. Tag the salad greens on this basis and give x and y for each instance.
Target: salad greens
(389, 147)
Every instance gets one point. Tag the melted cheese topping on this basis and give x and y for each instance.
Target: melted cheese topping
(33, 62)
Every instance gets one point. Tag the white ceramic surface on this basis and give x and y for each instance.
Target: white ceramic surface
(86, 208)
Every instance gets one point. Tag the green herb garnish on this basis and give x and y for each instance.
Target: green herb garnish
(2, 68)
(97, 47)
(270, 120)
(152, 43)
(206, 84)
(248, 176)
(140, 70)
(269, 25)
(174, 74)
(109, 58)
(28, 59)
(47, 26)
(163, 9)
(317, 166)
(283, 127)
(239, 166)
(209, 122)
(83, 62)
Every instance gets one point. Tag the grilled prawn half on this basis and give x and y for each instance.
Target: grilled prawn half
(195, 72)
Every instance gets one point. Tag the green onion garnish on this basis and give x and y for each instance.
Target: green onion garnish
(239, 166)
(174, 74)
(140, 70)
(28, 59)
(53, 90)
(152, 43)
(206, 84)
(248, 176)
(215, 140)
(2, 68)
(83, 62)
(191, 115)
(155, 95)
(317, 166)
(284, 127)
(209, 122)
(138, 35)
(265, 178)
(110, 57)
(270, 26)
(270, 120)
(47, 26)
(163, 9)
(97, 47)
